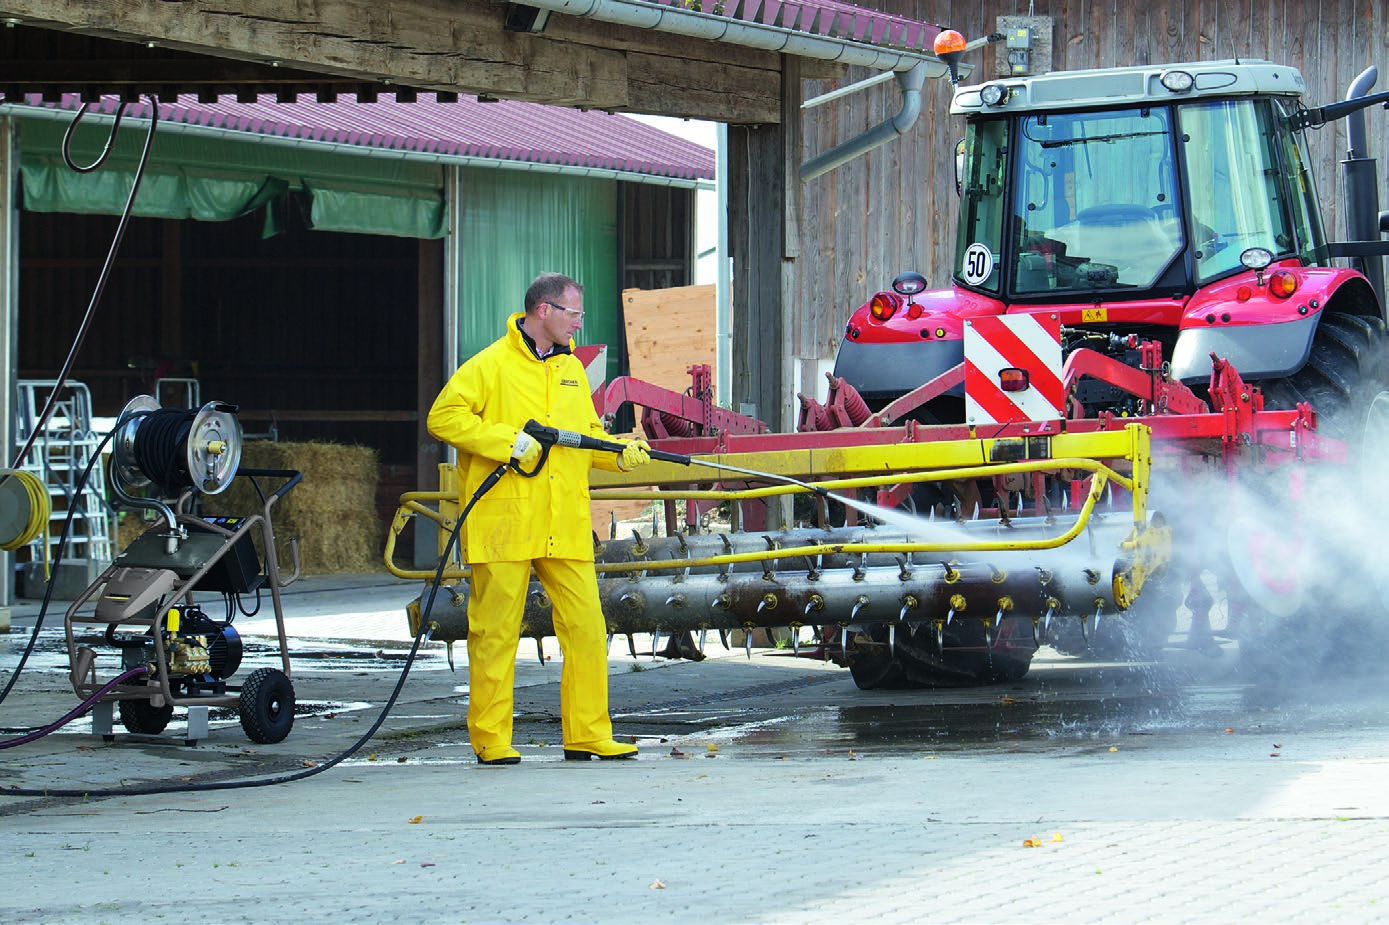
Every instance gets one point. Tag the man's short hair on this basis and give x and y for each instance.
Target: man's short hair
(548, 287)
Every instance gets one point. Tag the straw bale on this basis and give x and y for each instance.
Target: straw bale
(332, 511)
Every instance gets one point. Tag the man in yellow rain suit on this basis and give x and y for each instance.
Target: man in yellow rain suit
(544, 522)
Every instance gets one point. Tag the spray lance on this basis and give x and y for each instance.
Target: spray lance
(550, 436)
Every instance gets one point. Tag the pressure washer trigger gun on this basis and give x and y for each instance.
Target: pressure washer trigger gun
(549, 436)
(515, 466)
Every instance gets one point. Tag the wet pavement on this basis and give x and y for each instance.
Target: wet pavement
(769, 789)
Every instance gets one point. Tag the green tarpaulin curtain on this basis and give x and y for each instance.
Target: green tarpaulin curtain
(212, 178)
(515, 226)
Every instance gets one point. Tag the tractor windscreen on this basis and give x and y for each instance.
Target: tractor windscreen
(1095, 204)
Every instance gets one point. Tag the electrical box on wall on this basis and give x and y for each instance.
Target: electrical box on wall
(1026, 48)
(1019, 45)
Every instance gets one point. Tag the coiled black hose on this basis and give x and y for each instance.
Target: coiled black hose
(159, 447)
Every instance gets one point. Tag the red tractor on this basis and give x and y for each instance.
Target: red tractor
(1168, 218)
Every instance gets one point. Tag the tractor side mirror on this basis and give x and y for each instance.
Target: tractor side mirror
(960, 167)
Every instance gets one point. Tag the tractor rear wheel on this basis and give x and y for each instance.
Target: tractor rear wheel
(1347, 367)
(1291, 626)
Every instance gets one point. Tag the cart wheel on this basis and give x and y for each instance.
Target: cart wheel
(143, 717)
(267, 706)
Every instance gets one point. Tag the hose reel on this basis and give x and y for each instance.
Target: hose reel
(24, 508)
(176, 448)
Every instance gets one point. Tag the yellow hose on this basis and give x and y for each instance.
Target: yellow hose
(37, 515)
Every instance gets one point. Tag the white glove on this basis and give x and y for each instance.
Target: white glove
(634, 453)
(526, 449)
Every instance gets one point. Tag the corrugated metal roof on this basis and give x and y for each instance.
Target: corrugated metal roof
(505, 131)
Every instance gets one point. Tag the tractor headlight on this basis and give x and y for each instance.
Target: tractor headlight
(993, 94)
(1177, 81)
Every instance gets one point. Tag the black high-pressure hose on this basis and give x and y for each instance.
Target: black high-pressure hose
(425, 632)
(548, 437)
(81, 335)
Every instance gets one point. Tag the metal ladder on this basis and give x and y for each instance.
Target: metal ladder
(60, 453)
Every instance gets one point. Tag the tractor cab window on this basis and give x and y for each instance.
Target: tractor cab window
(979, 242)
(1094, 205)
(1306, 213)
(1235, 184)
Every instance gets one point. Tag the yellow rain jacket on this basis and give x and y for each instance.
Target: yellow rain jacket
(480, 411)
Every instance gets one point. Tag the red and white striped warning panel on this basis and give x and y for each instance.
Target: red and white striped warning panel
(595, 360)
(1011, 342)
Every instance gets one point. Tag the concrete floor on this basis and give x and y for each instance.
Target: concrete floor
(769, 790)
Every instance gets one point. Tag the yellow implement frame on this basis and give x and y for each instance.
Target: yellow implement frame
(1120, 457)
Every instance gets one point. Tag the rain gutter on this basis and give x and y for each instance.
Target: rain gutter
(643, 14)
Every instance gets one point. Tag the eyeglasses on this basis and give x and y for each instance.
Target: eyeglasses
(576, 313)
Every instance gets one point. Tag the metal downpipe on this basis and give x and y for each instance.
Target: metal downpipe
(911, 82)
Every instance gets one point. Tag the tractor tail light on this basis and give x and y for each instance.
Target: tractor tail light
(883, 306)
(1282, 284)
(1013, 379)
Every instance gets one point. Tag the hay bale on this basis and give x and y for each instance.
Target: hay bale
(332, 511)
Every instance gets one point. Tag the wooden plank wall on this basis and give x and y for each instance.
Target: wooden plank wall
(668, 331)
(894, 208)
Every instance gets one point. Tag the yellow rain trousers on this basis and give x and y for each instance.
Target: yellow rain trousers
(494, 629)
(544, 522)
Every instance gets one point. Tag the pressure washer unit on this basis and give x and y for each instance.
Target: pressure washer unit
(144, 609)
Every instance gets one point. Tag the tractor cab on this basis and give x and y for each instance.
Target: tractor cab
(1118, 196)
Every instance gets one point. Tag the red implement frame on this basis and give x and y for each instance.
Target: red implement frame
(1232, 424)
